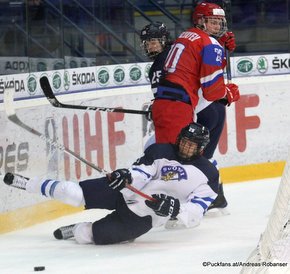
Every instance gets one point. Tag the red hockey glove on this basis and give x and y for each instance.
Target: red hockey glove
(228, 41)
(233, 93)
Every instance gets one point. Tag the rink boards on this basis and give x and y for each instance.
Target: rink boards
(254, 143)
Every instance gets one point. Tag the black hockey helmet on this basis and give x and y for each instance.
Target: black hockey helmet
(154, 31)
(191, 141)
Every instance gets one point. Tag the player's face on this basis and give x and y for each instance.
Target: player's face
(153, 45)
(213, 25)
(187, 148)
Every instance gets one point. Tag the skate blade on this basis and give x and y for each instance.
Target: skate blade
(217, 212)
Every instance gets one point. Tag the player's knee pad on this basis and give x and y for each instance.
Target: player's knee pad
(83, 233)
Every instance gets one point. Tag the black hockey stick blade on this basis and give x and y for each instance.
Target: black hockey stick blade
(45, 85)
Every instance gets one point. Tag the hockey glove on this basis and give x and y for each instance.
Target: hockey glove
(228, 41)
(232, 95)
(164, 206)
(119, 178)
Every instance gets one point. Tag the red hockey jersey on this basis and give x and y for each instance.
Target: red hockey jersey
(195, 61)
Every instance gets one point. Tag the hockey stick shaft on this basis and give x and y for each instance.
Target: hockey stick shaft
(228, 67)
(10, 111)
(227, 8)
(47, 90)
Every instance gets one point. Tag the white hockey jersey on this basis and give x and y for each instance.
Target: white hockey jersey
(194, 183)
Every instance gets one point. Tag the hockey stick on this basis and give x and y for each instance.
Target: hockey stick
(228, 67)
(11, 115)
(227, 9)
(44, 83)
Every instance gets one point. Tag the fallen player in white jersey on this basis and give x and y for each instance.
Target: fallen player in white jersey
(182, 182)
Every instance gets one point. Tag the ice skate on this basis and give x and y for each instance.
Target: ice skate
(64, 232)
(219, 205)
(15, 180)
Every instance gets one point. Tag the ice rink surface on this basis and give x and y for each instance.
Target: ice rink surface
(219, 239)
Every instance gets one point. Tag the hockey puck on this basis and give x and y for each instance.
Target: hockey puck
(39, 268)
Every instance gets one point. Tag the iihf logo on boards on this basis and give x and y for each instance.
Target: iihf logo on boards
(173, 173)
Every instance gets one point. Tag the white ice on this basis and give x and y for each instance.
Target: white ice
(222, 239)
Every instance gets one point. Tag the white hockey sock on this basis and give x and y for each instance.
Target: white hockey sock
(83, 233)
(65, 191)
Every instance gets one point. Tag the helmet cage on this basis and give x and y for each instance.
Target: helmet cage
(223, 25)
(152, 54)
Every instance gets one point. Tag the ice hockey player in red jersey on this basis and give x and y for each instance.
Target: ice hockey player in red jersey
(156, 42)
(182, 182)
(195, 60)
